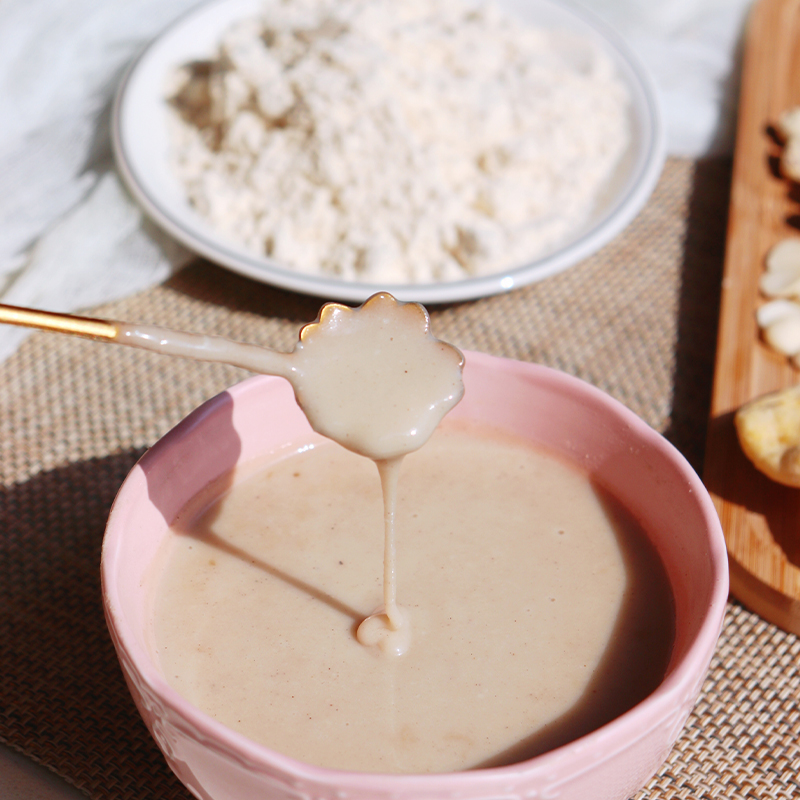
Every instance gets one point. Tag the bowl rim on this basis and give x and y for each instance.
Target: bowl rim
(666, 701)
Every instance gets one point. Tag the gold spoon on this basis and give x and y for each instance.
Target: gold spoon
(347, 363)
(62, 323)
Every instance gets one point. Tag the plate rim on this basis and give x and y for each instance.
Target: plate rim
(649, 158)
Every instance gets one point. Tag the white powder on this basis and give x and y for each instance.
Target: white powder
(397, 141)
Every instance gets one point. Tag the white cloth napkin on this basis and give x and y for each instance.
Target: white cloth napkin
(692, 50)
(70, 237)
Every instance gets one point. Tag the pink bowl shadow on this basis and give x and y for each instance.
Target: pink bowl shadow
(621, 453)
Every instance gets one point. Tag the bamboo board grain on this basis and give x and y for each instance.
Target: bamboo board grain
(760, 518)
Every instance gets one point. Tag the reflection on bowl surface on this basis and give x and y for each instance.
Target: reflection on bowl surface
(650, 483)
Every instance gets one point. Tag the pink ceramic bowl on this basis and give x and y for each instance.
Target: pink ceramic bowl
(623, 454)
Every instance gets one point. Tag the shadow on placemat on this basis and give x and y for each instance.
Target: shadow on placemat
(63, 700)
(210, 283)
(698, 308)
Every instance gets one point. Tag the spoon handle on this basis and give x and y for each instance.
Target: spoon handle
(61, 323)
(155, 338)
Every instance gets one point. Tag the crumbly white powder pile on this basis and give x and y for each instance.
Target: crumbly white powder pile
(397, 141)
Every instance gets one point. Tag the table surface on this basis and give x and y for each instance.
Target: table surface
(638, 319)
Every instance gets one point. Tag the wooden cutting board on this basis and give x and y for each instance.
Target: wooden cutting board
(760, 518)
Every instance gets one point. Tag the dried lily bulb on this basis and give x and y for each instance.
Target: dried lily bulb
(782, 276)
(789, 130)
(779, 319)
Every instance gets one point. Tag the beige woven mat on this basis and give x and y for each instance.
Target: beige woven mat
(638, 320)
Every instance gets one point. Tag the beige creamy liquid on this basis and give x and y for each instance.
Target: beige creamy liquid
(538, 610)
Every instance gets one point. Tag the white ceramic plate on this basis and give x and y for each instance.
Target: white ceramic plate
(141, 145)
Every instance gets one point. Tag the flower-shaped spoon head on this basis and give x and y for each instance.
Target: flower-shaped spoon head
(374, 378)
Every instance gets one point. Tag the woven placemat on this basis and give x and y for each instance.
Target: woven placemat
(638, 319)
